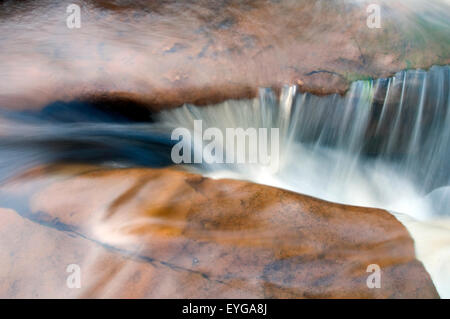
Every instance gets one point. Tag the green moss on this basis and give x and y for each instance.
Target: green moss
(352, 76)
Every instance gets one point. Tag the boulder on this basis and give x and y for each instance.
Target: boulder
(166, 53)
(154, 233)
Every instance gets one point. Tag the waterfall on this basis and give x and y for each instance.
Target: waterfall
(385, 144)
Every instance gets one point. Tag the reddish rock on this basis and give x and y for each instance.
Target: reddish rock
(166, 53)
(168, 233)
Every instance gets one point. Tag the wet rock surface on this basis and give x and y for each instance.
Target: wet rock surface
(168, 233)
(166, 53)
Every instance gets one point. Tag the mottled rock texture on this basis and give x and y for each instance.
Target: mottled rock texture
(168, 233)
(166, 53)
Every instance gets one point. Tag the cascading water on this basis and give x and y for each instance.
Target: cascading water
(385, 144)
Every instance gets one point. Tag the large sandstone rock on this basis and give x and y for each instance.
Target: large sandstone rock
(165, 53)
(168, 233)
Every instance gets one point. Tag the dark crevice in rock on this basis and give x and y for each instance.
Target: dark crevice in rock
(104, 108)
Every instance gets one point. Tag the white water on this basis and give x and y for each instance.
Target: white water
(385, 144)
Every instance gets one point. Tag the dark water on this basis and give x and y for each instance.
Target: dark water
(385, 144)
(78, 132)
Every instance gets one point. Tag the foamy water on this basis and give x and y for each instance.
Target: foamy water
(385, 144)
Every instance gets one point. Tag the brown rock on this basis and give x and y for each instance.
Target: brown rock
(168, 233)
(165, 53)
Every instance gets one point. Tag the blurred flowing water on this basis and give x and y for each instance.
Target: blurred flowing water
(385, 144)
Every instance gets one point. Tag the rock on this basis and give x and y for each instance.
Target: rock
(166, 53)
(168, 233)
